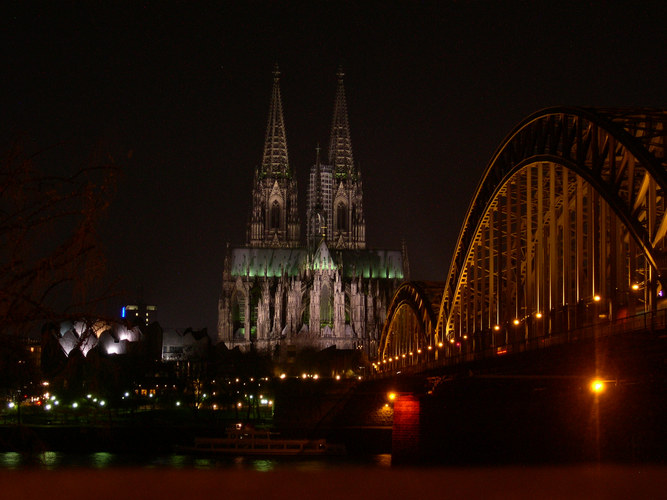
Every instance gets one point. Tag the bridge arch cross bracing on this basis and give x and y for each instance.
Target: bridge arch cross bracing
(567, 225)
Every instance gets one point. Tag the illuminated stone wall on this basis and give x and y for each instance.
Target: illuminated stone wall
(280, 297)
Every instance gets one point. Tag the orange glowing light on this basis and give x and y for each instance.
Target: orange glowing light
(597, 386)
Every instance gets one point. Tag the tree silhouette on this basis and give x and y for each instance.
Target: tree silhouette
(50, 255)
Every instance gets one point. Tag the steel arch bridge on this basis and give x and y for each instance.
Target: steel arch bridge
(414, 313)
(567, 228)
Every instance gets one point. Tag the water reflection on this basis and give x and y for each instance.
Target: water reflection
(382, 460)
(203, 463)
(177, 461)
(103, 460)
(16, 460)
(50, 459)
(263, 465)
(11, 460)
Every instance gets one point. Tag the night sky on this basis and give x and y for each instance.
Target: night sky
(179, 95)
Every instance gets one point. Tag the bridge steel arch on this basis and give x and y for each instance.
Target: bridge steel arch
(567, 227)
(411, 320)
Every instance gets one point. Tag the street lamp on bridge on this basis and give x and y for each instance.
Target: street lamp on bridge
(597, 386)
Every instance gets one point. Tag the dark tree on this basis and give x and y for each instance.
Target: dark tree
(50, 255)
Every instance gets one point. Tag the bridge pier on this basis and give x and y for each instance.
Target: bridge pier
(541, 407)
(406, 440)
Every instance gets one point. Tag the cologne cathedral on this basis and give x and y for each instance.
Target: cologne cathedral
(282, 293)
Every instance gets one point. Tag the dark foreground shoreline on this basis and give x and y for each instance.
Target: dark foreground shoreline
(590, 482)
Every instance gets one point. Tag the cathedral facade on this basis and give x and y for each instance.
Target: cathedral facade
(282, 293)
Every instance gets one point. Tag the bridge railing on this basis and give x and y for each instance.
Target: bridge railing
(452, 355)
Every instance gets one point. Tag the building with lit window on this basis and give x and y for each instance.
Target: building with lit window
(139, 314)
(279, 295)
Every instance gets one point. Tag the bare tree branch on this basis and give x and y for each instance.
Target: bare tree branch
(50, 253)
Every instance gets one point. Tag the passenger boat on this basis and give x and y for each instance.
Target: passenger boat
(244, 440)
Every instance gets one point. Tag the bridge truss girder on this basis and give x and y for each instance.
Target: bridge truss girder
(411, 320)
(571, 208)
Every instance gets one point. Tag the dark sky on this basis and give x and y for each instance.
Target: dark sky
(178, 92)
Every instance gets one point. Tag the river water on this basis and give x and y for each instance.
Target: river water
(51, 460)
(104, 475)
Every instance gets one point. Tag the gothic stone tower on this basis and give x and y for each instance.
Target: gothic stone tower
(274, 220)
(335, 210)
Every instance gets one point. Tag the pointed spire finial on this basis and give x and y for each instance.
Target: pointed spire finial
(275, 159)
(340, 73)
(340, 145)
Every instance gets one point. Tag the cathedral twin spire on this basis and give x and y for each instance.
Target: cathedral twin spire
(346, 225)
(340, 145)
(274, 219)
(275, 160)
